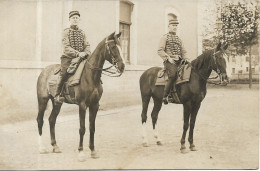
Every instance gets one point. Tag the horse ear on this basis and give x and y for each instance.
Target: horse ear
(218, 47)
(113, 34)
(118, 35)
(225, 47)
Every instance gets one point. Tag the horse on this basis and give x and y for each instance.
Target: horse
(87, 93)
(190, 93)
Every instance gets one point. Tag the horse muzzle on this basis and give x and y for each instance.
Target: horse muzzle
(120, 67)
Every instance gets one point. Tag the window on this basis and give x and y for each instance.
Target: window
(125, 40)
(233, 58)
(124, 28)
(246, 69)
(247, 59)
(253, 70)
(233, 70)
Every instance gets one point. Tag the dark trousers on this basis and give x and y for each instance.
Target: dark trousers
(65, 63)
(171, 70)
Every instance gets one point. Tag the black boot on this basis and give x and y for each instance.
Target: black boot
(167, 88)
(58, 99)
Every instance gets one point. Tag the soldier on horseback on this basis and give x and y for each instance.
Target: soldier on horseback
(172, 52)
(74, 45)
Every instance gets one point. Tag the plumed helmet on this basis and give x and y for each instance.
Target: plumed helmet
(173, 20)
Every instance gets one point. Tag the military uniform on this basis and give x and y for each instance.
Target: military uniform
(74, 41)
(170, 47)
(171, 50)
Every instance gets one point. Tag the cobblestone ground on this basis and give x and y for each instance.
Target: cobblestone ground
(226, 136)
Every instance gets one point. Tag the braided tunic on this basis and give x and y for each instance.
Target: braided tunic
(171, 46)
(74, 41)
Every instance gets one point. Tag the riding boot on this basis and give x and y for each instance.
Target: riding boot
(58, 99)
(167, 89)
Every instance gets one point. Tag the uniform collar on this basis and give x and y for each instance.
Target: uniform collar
(172, 33)
(74, 27)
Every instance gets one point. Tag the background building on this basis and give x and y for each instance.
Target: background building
(31, 33)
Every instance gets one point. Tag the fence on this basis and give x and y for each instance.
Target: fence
(244, 78)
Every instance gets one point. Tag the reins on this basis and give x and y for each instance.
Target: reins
(107, 71)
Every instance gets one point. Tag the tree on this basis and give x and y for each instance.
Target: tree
(240, 27)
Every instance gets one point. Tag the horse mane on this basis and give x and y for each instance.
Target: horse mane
(98, 47)
(199, 61)
(101, 43)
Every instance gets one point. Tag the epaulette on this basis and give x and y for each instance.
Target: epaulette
(66, 29)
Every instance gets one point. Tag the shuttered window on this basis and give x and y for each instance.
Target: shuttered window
(124, 28)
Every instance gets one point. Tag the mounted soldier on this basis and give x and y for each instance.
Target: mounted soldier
(172, 52)
(75, 45)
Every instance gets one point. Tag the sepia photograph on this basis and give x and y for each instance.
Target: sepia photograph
(129, 84)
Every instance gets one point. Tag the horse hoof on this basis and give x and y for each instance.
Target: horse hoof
(159, 143)
(81, 156)
(145, 144)
(183, 150)
(56, 149)
(43, 151)
(94, 155)
(193, 148)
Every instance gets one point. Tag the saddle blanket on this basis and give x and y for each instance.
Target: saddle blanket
(72, 81)
(183, 76)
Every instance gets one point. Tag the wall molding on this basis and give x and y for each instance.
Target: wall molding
(19, 64)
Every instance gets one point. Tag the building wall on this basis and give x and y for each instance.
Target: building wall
(31, 33)
(151, 25)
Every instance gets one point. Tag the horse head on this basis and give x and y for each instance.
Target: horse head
(115, 56)
(220, 62)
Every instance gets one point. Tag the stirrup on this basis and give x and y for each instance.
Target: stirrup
(170, 99)
(58, 99)
(165, 100)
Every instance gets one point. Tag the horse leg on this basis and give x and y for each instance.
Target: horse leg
(194, 112)
(42, 103)
(186, 113)
(82, 130)
(93, 109)
(156, 109)
(145, 104)
(52, 121)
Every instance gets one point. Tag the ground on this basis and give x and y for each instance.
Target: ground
(226, 135)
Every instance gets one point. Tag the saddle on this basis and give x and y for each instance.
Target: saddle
(183, 76)
(73, 80)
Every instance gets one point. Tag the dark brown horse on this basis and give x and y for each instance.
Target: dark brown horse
(87, 93)
(190, 94)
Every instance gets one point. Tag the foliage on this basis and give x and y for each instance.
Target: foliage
(240, 25)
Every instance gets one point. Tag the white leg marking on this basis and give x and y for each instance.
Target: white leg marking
(144, 135)
(156, 136)
(81, 156)
(42, 149)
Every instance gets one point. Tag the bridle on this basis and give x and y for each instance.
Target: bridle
(108, 71)
(219, 73)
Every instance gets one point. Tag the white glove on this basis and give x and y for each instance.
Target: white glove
(171, 60)
(82, 54)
